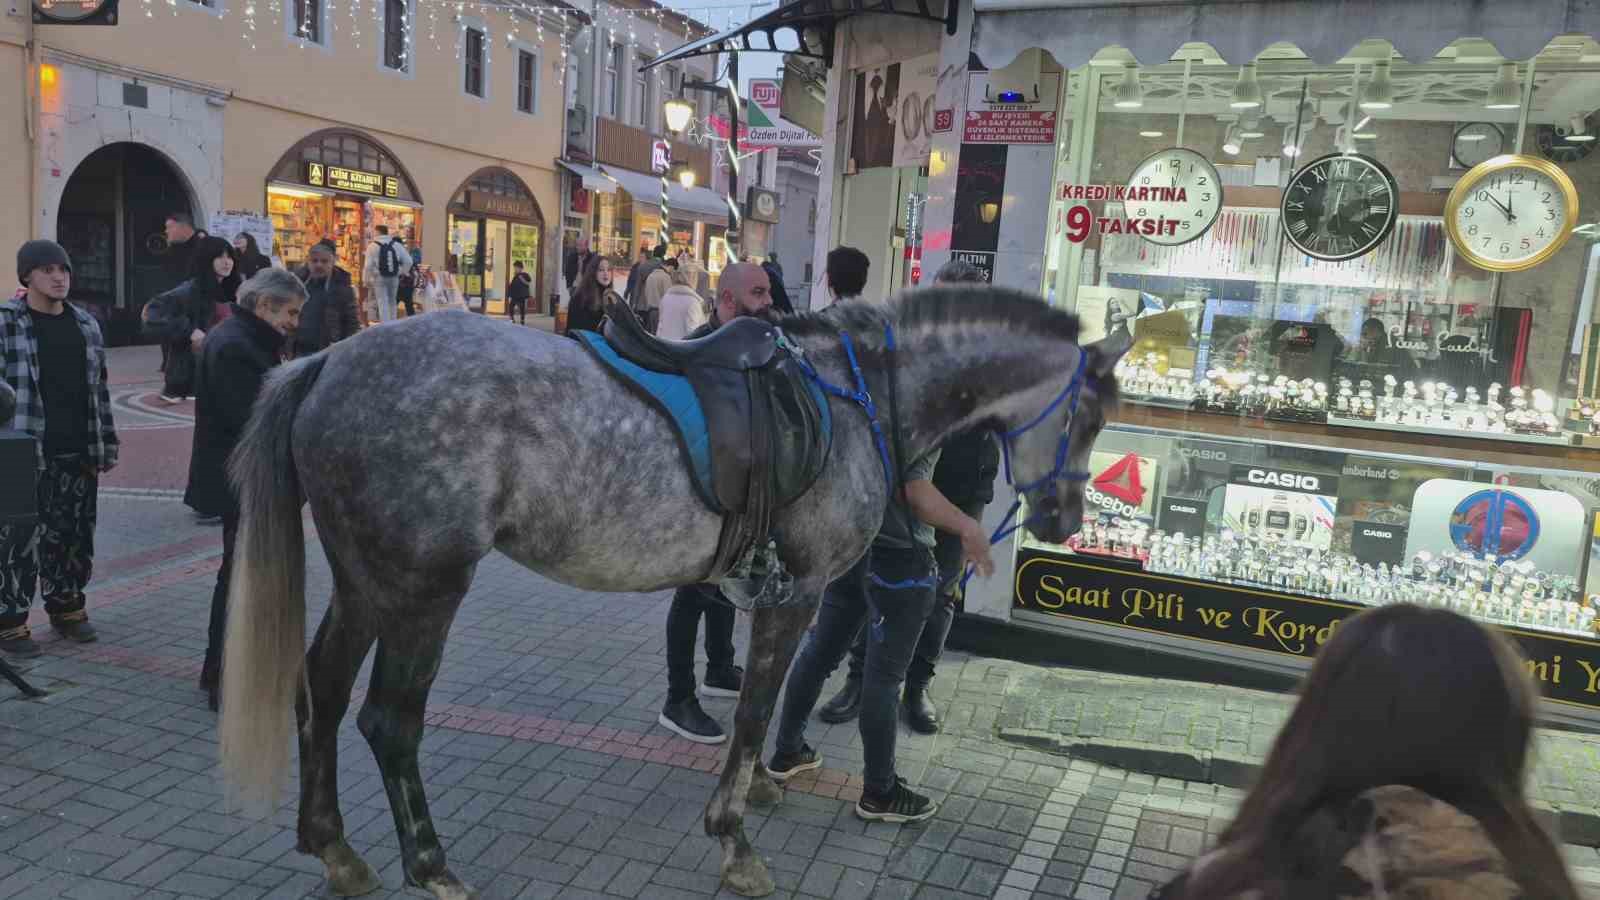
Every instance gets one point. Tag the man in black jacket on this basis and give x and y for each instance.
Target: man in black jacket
(968, 464)
(517, 293)
(572, 265)
(330, 311)
(233, 365)
(742, 291)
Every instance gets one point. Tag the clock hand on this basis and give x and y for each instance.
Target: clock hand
(1501, 206)
(1511, 197)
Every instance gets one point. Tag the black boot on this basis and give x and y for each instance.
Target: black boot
(921, 714)
(845, 705)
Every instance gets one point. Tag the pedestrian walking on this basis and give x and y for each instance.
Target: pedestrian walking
(743, 291)
(329, 315)
(656, 285)
(181, 317)
(846, 273)
(387, 260)
(636, 276)
(780, 296)
(233, 366)
(968, 464)
(177, 263)
(55, 361)
(587, 308)
(406, 295)
(682, 309)
(1400, 773)
(517, 292)
(248, 252)
(574, 262)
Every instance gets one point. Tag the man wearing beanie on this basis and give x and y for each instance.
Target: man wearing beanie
(55, 360)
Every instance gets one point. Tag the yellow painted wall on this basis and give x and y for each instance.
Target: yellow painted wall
(14, 172)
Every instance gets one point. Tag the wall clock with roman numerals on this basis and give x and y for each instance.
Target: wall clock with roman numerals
(1511, 213)
(1160, 179)
(1340, 206)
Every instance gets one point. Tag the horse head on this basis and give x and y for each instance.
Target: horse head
(1047, 454)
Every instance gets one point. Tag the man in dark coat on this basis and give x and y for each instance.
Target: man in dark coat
(233, 365)
(968, 464)
(572, 266)
(330, 311)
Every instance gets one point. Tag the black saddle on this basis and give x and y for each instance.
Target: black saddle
(768, 425)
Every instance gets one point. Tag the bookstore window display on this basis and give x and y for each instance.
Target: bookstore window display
(1365, 357)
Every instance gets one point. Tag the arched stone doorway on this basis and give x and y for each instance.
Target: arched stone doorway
(111, 220)
(496, 221)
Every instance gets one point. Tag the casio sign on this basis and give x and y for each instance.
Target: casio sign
(1291, 480)
(1192, 453)
(1177, 507)
(1375, 533)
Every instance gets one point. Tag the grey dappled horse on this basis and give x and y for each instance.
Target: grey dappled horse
(424, 444)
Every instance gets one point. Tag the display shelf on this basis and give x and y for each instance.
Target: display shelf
(1361, 438)
(1507, 436)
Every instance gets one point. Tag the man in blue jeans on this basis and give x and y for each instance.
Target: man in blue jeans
(892, 589)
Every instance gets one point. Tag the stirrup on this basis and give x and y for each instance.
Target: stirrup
(759, 581)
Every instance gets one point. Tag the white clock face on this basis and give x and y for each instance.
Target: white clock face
(1165, 177)
(1511, 216)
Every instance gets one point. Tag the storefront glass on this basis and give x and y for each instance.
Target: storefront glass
(495, 221)
(1365, 357)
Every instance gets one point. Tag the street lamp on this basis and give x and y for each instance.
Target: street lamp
(684, 173)
(678, 113)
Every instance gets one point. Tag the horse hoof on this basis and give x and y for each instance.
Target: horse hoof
(748, 877)
(764, 791)
(449, 887)
(348, 874)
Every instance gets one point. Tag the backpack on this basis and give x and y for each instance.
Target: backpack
(388, 260)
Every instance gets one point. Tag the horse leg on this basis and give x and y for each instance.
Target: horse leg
(332, 664)
(774, 635)
(391, 720)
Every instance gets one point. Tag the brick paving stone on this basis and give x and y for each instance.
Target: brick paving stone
(546, 773)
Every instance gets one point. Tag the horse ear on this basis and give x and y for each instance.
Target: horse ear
(1104, 353)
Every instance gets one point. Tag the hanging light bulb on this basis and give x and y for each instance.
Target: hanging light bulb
(1230, 142)
(1505, 94)
(1580, 132)
(1247, 91)
(1379, 92)
(1250, 129)
(1151, 133)
(1130, 94)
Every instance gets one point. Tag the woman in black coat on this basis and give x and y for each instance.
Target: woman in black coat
(587, 308)
(181, 317)
(234, 362)
(248, 252)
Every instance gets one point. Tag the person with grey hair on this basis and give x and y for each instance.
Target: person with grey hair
(234, 361)
(957, 271)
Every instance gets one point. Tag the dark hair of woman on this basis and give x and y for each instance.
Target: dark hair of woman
(589, 293)
(207, 286)
(1401, 695)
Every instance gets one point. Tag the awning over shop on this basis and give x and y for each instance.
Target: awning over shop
(592, 179)
(806, 27)
(1073, 31)
(704, 204)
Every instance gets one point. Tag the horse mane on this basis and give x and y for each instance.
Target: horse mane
(942, 305)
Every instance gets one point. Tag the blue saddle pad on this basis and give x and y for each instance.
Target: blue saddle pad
(671, 394)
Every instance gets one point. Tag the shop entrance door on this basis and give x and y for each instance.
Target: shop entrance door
(496, 267)
(466, 259)
(112, 221)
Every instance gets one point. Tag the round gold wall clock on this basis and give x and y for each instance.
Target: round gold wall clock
(1511, 212)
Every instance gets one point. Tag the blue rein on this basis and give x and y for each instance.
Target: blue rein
(861, 397)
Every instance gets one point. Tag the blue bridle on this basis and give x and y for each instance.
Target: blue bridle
(861, 397)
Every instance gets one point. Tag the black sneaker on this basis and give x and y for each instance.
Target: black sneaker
(689, 721)
(19, 643)
(722, 682)
(899, 805)
(80, 631)
(785, 766)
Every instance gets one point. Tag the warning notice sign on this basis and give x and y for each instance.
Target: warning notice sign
(1009, 127)
(997, 114)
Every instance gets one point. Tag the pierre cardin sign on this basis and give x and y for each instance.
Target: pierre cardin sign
(355, 181)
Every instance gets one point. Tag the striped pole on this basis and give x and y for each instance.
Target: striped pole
(663, 235)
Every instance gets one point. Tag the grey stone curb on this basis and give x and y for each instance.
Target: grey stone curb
(1576, 825)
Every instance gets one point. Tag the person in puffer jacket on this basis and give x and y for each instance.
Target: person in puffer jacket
(1399, 776)
(330, 314)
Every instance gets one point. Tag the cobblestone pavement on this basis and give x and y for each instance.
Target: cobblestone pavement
(547, 774)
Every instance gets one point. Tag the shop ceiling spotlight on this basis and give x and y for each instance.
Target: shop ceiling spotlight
(1379, 92)
(1130, 94)
(1580, 129)
(1250, 129)
(1505, 94)
(1151, 133)
(1247, 91)
(1230, 141)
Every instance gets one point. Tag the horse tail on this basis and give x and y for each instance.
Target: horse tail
(264, 653)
